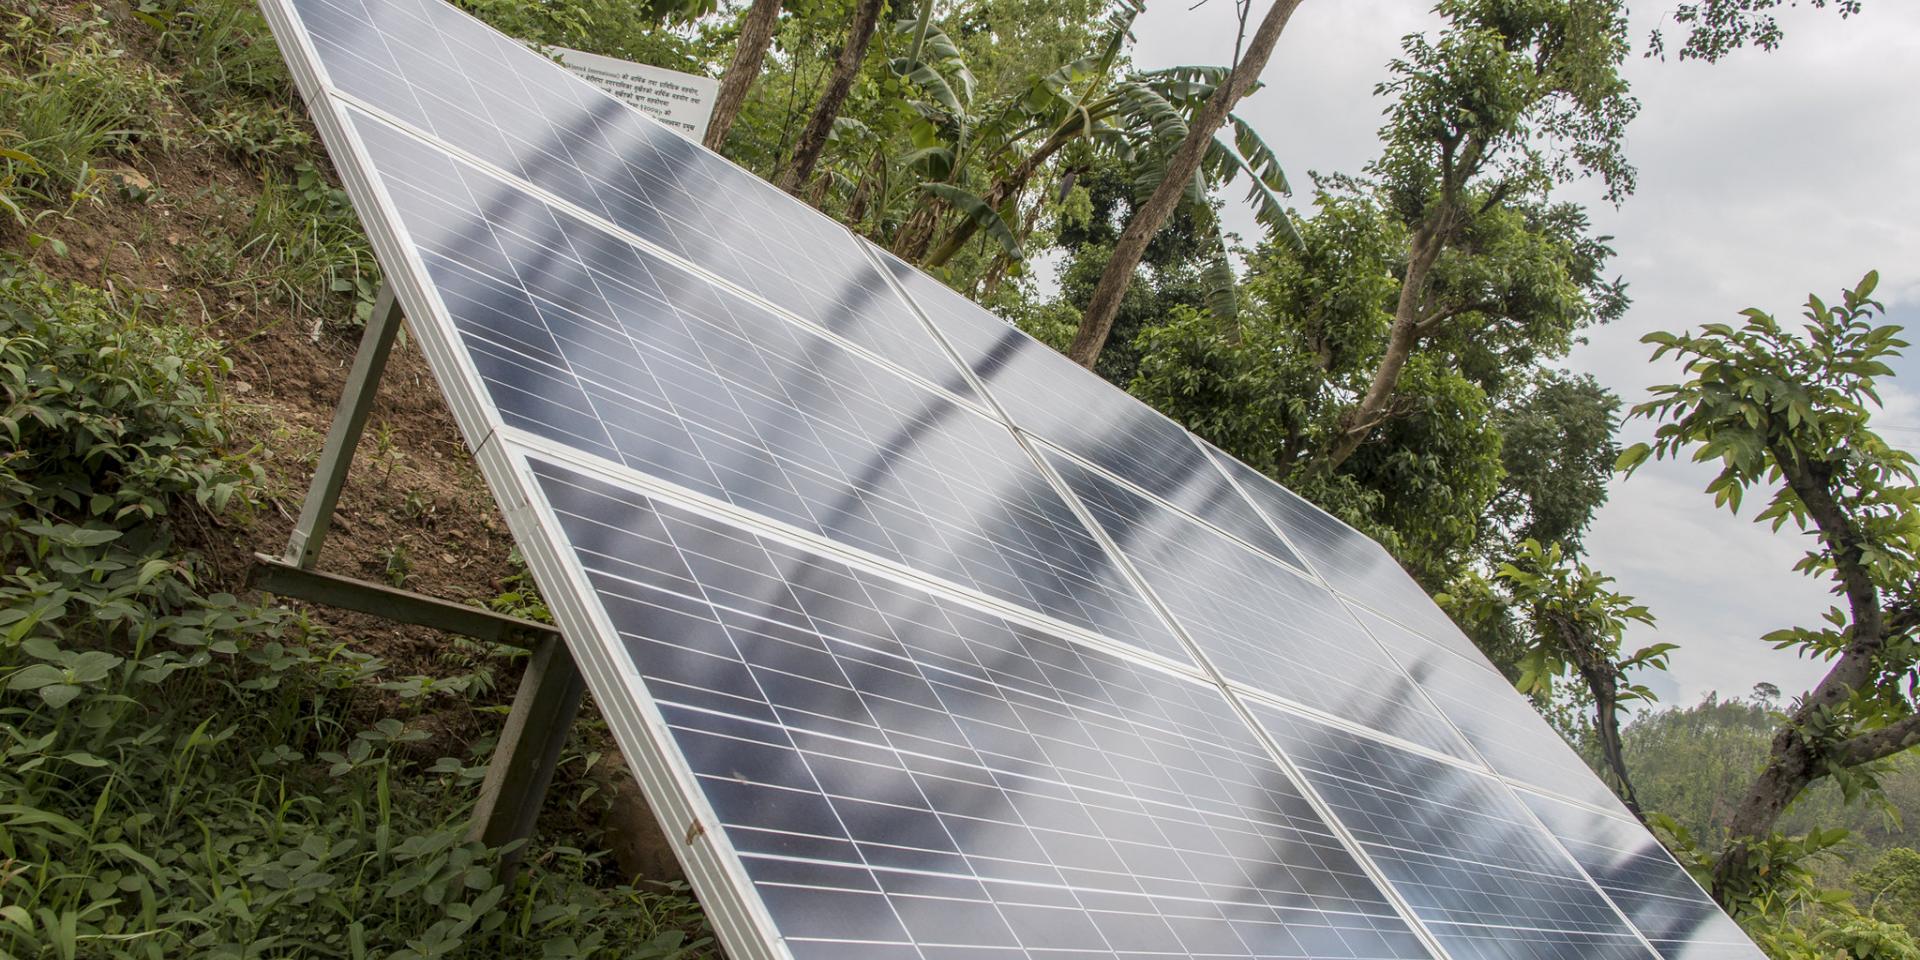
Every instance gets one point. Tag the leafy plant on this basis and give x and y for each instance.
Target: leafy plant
(70, 98)
(396, 564)
(185, 773)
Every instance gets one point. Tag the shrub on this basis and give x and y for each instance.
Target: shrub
(185, 773)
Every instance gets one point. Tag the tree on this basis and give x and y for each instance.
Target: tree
(1173, 186)
(1790, 412)
(1437, 486)
(1509, 100)
(1175, 263)
(1715, 28)
(1890, 888)
(813, 138)
(1557, 452)
(1576, 624)
(756, 34)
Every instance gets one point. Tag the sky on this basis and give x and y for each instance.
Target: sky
(1761, 178)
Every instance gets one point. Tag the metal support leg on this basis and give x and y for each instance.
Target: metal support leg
(349, 419)
(529, 748)
(550, 690)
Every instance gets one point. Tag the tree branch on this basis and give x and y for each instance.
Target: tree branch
(1812, 484)
(1878, 744)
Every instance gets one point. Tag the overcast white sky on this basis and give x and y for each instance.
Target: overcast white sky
(1762, 178)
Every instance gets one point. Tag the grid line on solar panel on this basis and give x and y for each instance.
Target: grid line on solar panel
(1075, 795)
(1353, 564)
(1501, 726)
(1635, 871)
(1459, 845)
(799, 538)
(587, 339)
(615, 166)
(1261, 624)
(1049, 396)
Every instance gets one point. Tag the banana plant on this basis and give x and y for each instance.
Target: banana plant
(924, 195)
(1140, 119)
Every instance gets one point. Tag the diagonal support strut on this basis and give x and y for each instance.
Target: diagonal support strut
(551, 688)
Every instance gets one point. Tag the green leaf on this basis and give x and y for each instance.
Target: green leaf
(35, 676)
(986, 217)
(1632, 457)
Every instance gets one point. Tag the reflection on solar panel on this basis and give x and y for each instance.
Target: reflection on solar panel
(1352, 564)
(1263, 626)
(1048, 395)
(1495, 718)
(923, 641)
(1641, 877)
(1486, 879)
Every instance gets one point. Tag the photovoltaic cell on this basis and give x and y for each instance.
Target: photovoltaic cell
(1494, 717)
(444, 73)
(1351, 563)
(905, 776)
(1260, 623)
(1642, 879)
(585, 338)
(1478, 871)
(1056, 399)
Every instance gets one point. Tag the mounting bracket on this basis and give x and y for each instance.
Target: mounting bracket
(551, 687)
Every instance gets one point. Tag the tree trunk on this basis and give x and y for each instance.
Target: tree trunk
(911, 240)
(1789, 770)
(1147, 221)
(813, 139)
(1607, 722)
(756, 34)
(1793, 763)
(1602, 677)
(1604, 685)
(1357, 423)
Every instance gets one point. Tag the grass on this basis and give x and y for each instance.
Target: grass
(70, 98)
(185, 773)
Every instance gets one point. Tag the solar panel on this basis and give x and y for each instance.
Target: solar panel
(1350, 562)
(1258, 622)
(588, 340)
(1496, 719)
(1052, 397)
(895, 768)
(1642, 878)
(1479, 871)
(415, 62)
(923, 641)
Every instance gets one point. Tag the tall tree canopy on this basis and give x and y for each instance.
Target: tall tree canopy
(1387, 347)
(1175, 182)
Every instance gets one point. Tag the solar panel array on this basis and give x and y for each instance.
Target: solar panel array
(923, 641)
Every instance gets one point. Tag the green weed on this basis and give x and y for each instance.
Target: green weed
(255, 132)
(304, 245)
(184, 773)
(222, 50)
(69, 99)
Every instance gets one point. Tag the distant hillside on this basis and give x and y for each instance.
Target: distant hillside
(1692, 764)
